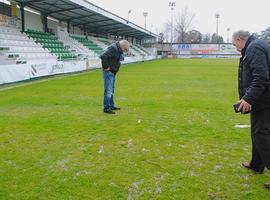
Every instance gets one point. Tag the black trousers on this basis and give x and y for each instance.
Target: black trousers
(260, 135)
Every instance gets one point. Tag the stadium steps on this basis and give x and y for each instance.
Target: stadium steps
(89, 44)
(142, 49)
(134, 50)
(76, 47)
(97, 42)
(106, 42)
(139, 52)
(51, 43)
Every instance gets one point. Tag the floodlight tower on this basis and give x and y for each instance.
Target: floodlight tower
(172, 6)
(217, 17)
(145, 14)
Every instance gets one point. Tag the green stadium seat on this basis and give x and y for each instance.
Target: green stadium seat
(51, 43)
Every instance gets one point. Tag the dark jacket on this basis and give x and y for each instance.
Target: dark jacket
(112, 58)
(254, 74)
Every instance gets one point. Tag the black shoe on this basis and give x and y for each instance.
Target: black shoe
(267, 185)
(248, 166)
(109, 112)
(116, 108)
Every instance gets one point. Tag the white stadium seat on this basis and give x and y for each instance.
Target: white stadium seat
(20, 47)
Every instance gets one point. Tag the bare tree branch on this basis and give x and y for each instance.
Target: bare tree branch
(184, 22)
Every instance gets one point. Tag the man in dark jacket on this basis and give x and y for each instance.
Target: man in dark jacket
(111, 61)
(254, 92)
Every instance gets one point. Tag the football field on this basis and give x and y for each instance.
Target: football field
(174, 138)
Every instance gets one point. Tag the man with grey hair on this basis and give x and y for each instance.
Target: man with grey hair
(111, 61)
(254, 93)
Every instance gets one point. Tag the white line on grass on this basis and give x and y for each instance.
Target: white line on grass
(41, 80)
(241, 126)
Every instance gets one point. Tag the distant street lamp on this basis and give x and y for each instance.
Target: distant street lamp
(145, 14)
(228, 35)
(217, 17)
(129, 12)
(151, 29)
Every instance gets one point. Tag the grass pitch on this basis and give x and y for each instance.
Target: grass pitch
(173, 139)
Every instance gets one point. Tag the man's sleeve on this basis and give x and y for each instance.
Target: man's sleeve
(105, 57)
(259, 73)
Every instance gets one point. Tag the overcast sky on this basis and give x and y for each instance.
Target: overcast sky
(236, 14)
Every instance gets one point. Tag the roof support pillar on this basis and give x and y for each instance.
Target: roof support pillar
(45, 23)
(68, 26)
(84, 29)
(22, 17)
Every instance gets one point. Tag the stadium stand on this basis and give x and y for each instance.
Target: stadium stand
(40, 45)
(16, 47)
(35, 45)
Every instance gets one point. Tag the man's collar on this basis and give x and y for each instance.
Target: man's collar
(250, 39)
(118, 47)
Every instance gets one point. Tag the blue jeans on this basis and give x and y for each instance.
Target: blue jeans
(109, 81)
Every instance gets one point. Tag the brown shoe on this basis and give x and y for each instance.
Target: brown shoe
(267, 185)
(247, 166)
